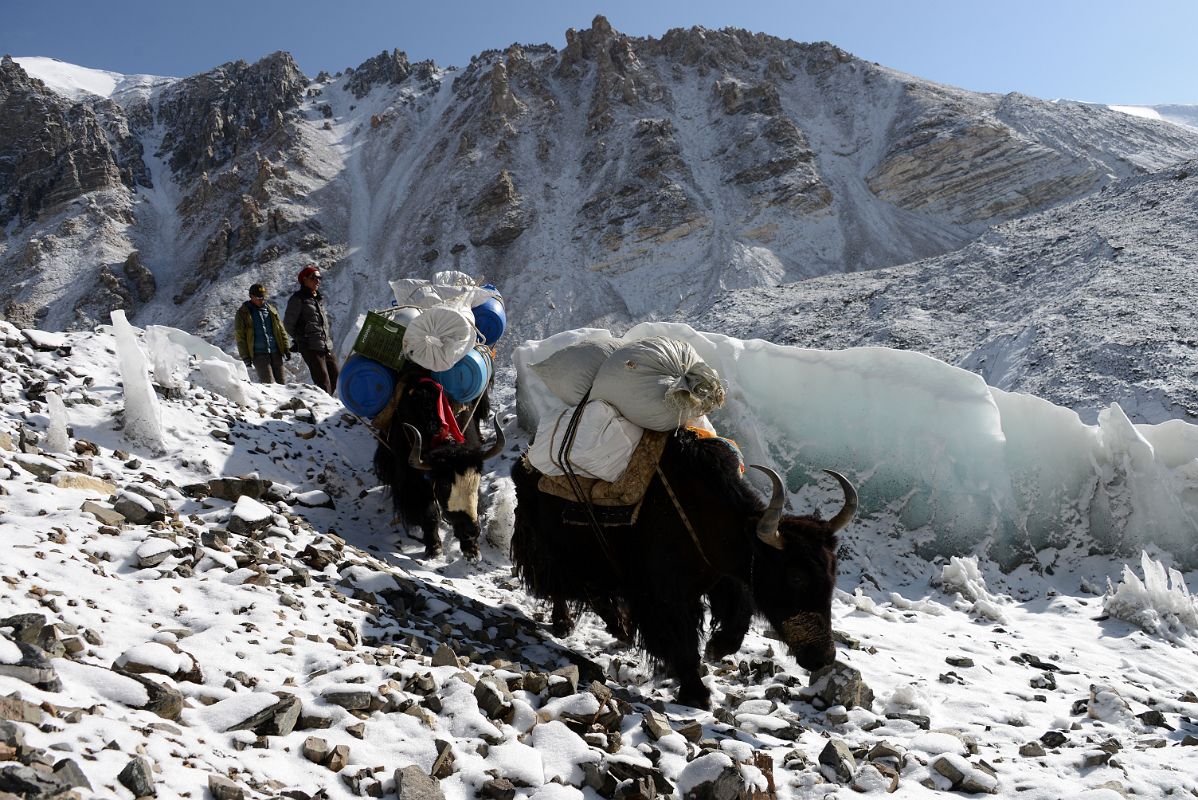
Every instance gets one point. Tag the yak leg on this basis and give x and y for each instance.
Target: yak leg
(419, 509)
(461, 510)
(669, 630)
(432, 540)
(430, 523)
(562, 619)
(615, 616)
(731, 612)
(465, 528)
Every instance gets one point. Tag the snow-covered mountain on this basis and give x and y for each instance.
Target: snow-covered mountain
(1179, 114)
(616, 179)
(83, 84)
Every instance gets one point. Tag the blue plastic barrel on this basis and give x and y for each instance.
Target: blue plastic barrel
(467, 379)
(365, 386)
(490, 318)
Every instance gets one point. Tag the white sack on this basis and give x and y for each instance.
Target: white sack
(658, 383)
(439, 337)
(569, 372)
(452, 288)
(415, 292)
(602, 447)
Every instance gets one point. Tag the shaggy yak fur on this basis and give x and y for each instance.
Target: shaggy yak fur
(649, 578)
(450, 484)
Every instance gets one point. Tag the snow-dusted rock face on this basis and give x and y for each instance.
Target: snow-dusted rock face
(211, 117)
(979, 158)
(51, 150)
(616, 179)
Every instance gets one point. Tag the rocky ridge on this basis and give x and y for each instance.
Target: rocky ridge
(212, 117)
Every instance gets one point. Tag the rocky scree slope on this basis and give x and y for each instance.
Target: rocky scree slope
(284, 645)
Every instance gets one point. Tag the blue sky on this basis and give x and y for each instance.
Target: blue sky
(1135, 51)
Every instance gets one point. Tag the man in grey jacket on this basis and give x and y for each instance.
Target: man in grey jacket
(307, 323)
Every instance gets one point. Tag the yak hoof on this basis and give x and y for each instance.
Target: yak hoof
(696, 697)
(432, 550)
(716, 651)
(470, 550)
(562, 626)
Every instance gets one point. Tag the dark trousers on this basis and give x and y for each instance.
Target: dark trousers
(269, 366)
(323, 367)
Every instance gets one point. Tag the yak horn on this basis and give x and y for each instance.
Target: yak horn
(845, 515)
(415, 459)
(496, 448)
(767, 526)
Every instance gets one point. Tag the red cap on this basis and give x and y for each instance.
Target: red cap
(307, 271)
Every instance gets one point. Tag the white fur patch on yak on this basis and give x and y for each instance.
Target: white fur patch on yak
(463, 496)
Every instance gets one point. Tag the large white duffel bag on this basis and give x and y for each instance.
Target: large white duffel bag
(569, 372)
(602, 447)
(658, 383)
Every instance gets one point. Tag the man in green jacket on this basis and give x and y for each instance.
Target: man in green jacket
(261, 341)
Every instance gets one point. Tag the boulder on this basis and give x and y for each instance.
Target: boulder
(249, 516)
(278, 719)
(138, 777)
(838, 761)
(165, 701)
(33, 667)
(86, 483)
(105, 515)
(840, 684)
(412, 784)
(165, 658)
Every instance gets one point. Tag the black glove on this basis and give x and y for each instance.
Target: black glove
(287, 355)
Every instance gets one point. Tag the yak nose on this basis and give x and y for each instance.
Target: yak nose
(809, 637)
(813, 657)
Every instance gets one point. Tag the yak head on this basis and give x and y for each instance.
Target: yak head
(795, 572)
(455, 469)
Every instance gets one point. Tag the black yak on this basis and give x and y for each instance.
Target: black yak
(701, 531)
(428, 471)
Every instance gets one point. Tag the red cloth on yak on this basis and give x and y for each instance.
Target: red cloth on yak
(449, 424)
